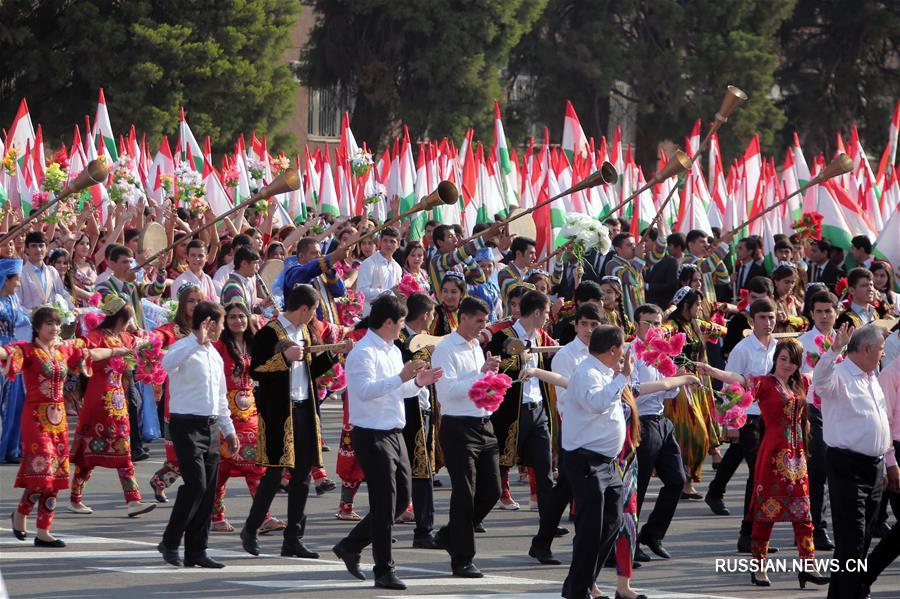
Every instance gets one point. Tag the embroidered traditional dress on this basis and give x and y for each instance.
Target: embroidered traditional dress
(781, 493)
(12, 392)
(102, 437)
(793, 321)
(445, 321)
(347, 468)
(626, 464)
(169, 473)
(44, 469)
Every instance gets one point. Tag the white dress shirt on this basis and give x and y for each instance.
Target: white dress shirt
(808, 341)
(865, 313)
(854, 415)
(204, 282)
(377, 275)
(462, 362)
(221, 276)
(891, 347)
(649, 404)
(531, 389)
(197, 381)
(375, 392)
(751, 358)
(564, 363)
(299, 375)
(594, 418)
(41, 285)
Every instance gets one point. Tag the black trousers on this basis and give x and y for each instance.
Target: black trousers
(597, 488)
(560, 497)
(472, 458)
(855, 489)
(659, 450)
(748, 446)
(883, 555)
(135, 402)
(815, 465)
(534, 450)
(196, 441)
(305, 452)
(423, 506)
(383, 459)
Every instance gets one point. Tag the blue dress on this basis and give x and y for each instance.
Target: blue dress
(12, 394)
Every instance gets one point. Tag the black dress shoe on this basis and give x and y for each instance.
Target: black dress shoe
(881, 531)
(170, 555)
(437, 483)
(760, 583)
(691, 495)
(640, 555)
(804, 577)
(545, 556)
(297, 549)
(655, 545)
(55, 543)
(467, 571)
(822, 541)
(390, 581)
(561, 531)
(480, 527)
(429, 542)
(716, 505)
(325, 487)
(351, 562)
(140, 455)
(250, 543)
(203, 561)
(635, 565)
(19, 534)
(325, 449)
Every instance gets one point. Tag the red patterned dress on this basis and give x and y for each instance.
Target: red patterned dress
(347, 468)
(782, 485)
(246, 426)
(167, 475)
(44, 469)
(103, 434)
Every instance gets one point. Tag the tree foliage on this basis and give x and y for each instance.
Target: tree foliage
(220, 59)
(432, 64)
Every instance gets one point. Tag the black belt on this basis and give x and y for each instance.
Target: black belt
(209, 420)
(653, 417)
(472, 419)
(532, 405)
(587, 453)
(297, 404)
(379, 430)
(858, 456)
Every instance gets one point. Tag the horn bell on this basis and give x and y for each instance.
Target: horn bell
(95, 172)
(840, 165)
(289, 180)
(734, 97)
(446, 193)
(677, 164)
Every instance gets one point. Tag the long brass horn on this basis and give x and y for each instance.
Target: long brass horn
(446, 193)
(677, 164)
(607, 173)
(95, 172)
(289, 180)
(734, 97)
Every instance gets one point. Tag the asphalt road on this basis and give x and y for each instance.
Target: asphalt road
(108, 553)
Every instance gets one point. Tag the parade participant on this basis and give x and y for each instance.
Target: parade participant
(781, 491)
(420, 429)
(196, 261)
(758, 288)
(660, 279)
(377, 383)
(489, 291)
(823, 313)
(467, 438)
(627, 266)
(102, 435)
(453, 290)
(12, 392)
(883, 279)
(40, 284)
(861, 251)
(587, 292)
(861, 296)
(857, 432)
(224, 271)
(710, 261)
(788, 308)
(235, 346)
(199, 412)
(412, 260)
(593, 434)
(819, 267)
(380, 273)
(44, 364)
(347, 466)
(450, 257)
(753, 356)
(524, 254)
(322, 272)
(83, 273)
(241, 283)
(748, 265)
(691, 412)
(59, 260)
(290, 434)
(613, 305)
(526, 422)
(188, 298)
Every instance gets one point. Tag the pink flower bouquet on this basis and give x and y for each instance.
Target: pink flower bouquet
(488, 392)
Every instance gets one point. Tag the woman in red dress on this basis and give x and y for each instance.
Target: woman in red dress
(103, 434)
(234, 347)
(44, 470)
(188, 297)
(782, 485)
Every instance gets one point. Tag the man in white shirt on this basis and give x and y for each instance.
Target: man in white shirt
(861, 291)
(221, 275)
(380, 273)
(593, 432)
(194, 275)
(471, 453)
(198, 412)
(40, 284)
(377, 383)
(566, 360)
(752, 356)
(824, 312)
(858, 436)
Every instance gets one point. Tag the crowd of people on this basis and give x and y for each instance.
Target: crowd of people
(401, 331)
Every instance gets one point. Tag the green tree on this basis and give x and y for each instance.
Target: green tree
(220, 59)
(842, 65)
(677, 57)
(432, 64)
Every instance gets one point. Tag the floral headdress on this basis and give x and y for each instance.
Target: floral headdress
(111, 304)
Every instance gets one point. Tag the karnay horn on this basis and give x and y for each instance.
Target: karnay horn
(677, 164)
(734, 97)
(446, 193)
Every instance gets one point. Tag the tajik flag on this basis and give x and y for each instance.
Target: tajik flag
(21, 132)
(311, 199)
(406, 188)
(488, 190)
(752, 171)
(835, 229)
(188, 148)
(889, 156)
(574, 140)
(163, 164)
(216, 196)
(469, 187)
(890, 197)
(328, 199)
(103, 130)
(887, 246)
(242, 190)
(504, 165)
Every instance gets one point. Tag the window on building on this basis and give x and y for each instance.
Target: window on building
(325, 109)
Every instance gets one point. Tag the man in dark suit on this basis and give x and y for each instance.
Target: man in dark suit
(748, 264)
(662, 278)
(594, 261)
(821, 269)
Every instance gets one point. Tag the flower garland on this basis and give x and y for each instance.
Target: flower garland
(809, 226)
(125, 188)
(361, 163)
(148, 357)
(586, 234)
(349, 307)
(231, 177)
(656, 351)
(188, 185)
(280, 163)
(256, 169)
(333, 381)
(487, 393)
(731, 405)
